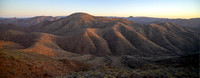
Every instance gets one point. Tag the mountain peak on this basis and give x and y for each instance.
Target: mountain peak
(80, 15)
(130, 17)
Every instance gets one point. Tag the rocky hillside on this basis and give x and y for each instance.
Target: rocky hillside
(84, 33)
(81, 43)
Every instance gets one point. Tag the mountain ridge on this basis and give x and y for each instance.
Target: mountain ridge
(115, 36)
(76, 43)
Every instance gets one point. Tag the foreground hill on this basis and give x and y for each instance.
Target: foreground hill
(23, 64)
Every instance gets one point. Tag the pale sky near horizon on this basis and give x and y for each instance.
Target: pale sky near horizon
(124, 8)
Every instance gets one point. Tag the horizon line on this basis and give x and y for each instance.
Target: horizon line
(92, 15)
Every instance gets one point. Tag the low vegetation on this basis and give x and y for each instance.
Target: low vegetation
(154, 70)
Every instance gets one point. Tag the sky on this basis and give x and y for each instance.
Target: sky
(121, 8)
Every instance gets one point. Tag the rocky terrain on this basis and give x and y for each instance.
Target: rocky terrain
(82, 45)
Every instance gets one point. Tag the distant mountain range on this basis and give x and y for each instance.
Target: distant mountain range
(93, 40)
(28, 21)
(192, 23)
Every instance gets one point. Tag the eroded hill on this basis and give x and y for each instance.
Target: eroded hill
(67, 44)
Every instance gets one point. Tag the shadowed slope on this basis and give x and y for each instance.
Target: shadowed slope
(24, 39)
(173, 37)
